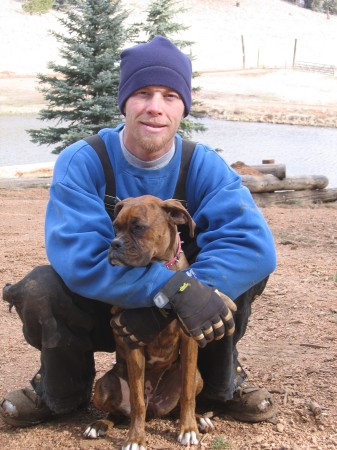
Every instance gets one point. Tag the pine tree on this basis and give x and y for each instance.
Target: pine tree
(82, 94)
(60, 5)
(160, 20)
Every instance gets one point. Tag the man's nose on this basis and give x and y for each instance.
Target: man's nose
(155, 103)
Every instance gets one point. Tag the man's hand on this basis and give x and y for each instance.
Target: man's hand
(139, 326)
(204, 312)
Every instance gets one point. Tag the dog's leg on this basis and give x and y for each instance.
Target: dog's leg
(135, 360)
(102, 427)
(111, 394)
(188, 425)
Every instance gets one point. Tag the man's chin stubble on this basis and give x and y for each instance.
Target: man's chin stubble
(151, 146)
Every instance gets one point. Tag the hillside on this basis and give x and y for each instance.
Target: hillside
(268, 29)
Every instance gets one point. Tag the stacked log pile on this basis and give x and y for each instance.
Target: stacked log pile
(269, 185)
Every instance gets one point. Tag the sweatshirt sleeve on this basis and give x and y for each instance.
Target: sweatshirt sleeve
(236, 245)
(78, 232)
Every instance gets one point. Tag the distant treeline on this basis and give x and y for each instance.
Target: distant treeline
(328, 6)
(43, 6)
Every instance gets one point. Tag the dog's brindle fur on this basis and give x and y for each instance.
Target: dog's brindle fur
(164, 371)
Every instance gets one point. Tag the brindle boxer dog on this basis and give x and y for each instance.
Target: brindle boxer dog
(154, 378)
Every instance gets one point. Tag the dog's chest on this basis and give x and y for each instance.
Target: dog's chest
(164, 350)
(162, 353)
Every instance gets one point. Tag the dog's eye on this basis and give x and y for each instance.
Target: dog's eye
(139, 228)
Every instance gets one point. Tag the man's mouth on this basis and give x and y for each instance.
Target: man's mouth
(153, 125)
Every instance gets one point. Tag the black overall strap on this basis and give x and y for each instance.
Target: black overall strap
(98, 145)
(186, 156)
(189, 245)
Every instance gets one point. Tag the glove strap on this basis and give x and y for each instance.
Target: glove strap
(178, 282)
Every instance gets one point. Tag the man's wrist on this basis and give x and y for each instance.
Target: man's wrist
(161, 300)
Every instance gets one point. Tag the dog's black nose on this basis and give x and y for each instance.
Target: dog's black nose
(116, 244)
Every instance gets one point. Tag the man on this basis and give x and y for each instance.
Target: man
(65, 307)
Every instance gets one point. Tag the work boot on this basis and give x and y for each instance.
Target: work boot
(24, 408)
(249, 404)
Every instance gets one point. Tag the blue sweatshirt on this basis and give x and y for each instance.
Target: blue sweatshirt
(237, 249)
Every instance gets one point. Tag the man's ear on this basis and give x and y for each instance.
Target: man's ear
(179, 215)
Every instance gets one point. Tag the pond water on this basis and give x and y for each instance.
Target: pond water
(304, 150)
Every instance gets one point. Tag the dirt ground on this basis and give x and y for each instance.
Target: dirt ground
(290, 346)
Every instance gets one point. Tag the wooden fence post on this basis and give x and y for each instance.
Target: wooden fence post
(294, 55)
(243, 52)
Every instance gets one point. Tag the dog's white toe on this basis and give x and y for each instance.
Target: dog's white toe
(205, 424)
(90, 433)
(133, 446)
(189, 438)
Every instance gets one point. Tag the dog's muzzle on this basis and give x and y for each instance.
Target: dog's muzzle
(116, 251)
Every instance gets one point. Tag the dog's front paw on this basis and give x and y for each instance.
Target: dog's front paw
(133, 446)
(205, 424)
(188, 438)
(96, 429)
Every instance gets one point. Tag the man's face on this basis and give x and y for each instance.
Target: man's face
(152, 118)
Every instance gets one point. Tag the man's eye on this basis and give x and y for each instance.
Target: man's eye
(172, 95)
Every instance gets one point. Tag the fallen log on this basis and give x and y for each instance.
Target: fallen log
(270, 183)
(278, 170)
(305, 197)
(242, 169)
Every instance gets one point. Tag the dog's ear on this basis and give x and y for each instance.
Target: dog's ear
(179, 214)
(117, 208)
(120, 205)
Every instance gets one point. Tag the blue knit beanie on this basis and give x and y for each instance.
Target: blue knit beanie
(156, 63)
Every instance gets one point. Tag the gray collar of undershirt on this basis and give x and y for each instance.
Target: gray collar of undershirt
(136, 162)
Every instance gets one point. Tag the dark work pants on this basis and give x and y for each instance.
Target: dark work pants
(218, 361)
(68, 329)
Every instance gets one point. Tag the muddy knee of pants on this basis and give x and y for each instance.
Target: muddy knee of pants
(46, 309)
(54, 323)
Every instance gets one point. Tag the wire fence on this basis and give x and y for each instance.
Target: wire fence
(249, 52)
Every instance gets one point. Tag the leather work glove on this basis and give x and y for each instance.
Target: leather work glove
(139, 326)
(204, 312)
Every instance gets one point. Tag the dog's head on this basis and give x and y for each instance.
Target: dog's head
(146, 230)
